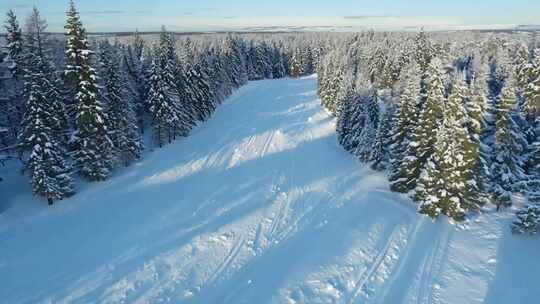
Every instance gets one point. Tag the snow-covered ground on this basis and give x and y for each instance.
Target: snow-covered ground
(259, 205)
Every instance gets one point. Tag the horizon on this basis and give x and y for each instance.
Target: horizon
(243, 15)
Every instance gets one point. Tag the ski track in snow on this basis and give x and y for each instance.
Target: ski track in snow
(258, 205)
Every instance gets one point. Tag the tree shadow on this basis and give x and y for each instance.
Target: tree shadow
(518, 265)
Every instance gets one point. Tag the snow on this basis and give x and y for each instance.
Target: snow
(258, 205)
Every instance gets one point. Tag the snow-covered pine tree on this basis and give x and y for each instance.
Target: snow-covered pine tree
(202, 102)
(380, 154)
(39, 62)
(91, 146)
(12, 95)
(476, 106)
(522, 67)
(423, 138)
(264, 65)
(278, 63)
(444, 184)
(136, 69)
(403, 125)
(366, 128)
(508, 148)
(531, 107)
(251, 61)
(235, 59)
(122, 124)
(307, 60)
(331, 89)
(295, 64)
(161, 102)
(424, 51)
(169, 65)
(344, 115)
(14, 44)
(528, 220)
(533, 168)
(46, 163)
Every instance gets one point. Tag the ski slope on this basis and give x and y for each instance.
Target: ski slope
(258, 205)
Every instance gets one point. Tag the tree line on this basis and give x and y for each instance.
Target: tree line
(454, 122)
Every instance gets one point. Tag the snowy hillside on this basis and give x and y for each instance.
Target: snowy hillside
(259, 205)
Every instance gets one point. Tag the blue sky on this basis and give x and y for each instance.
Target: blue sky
(126, 15)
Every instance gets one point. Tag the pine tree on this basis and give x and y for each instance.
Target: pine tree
(380, 154)
(46, 163)
(236, 63)
(296, 65)
(169, 67)
(476, 107)
(122, 122)
(365, 129)
(14, 43)
(444, 186)
(424, 51)
(531, 107)
(14, 94)
(402, 130)
(278, 69)
(92, 147)
(161, 103)
(528, 220)
(331, 89)
(264, 66)
(136, 67)
(533, 168)
(424, 136)
(507, 162)
(39, 62)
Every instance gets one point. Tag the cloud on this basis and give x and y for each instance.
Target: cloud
(363, 17)
(230, 17)
(200, 11)
(104, 12)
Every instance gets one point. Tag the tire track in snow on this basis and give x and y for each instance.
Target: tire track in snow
(422, 256)
(374, 265)
(432, 267)
(227, 261)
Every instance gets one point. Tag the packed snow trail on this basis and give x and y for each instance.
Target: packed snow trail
(258, 205)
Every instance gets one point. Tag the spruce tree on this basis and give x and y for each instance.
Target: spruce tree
(424, 51)
(171, 75)
(264, 66)
(422, 143)
(402, 129)
(122, 121)
(527, 220)
(46, 164)
(39, 62)
(15, 63)
(278, 69)
(236, 62)
(91, 146)
(14, 43)
(531, 107)
(380, 154)
(136, 68)
(476, 107)
(508, 148)
(443, 186)
(533, 169)
(161, 102)
(295, 65)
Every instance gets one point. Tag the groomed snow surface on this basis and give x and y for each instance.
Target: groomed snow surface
(259, 205)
